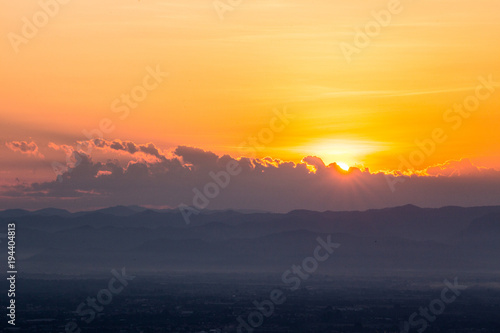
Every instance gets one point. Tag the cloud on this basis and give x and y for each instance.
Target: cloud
(463, 167)
(65, 148)
(127, 146)
(148, 151)
(197, 157)
(266, 184)
(24, 147)
(314, 161)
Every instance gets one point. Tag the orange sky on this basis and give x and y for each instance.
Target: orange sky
(227, 76)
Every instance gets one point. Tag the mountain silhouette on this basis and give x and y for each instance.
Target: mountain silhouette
(391, 240)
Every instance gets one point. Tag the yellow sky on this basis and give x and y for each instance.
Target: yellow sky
(226, 76)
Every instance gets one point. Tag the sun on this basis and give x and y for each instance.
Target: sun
(343, 166)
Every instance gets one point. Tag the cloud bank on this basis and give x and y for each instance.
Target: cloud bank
(153, 178)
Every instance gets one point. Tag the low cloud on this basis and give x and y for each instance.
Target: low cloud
(126, 146)
(168, 180)
(463, 167)
(24, 147)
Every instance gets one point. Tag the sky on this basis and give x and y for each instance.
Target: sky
(101, 102)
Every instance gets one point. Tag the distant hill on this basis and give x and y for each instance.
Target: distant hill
(406, 238)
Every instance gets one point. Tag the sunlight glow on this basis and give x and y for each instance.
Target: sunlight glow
(343, 166)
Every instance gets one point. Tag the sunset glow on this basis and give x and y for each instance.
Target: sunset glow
(420, 91)
(250, 165)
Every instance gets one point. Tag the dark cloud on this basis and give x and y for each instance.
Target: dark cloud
(267, 184)
(196, 156)
(24, 147)
(125, 146)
